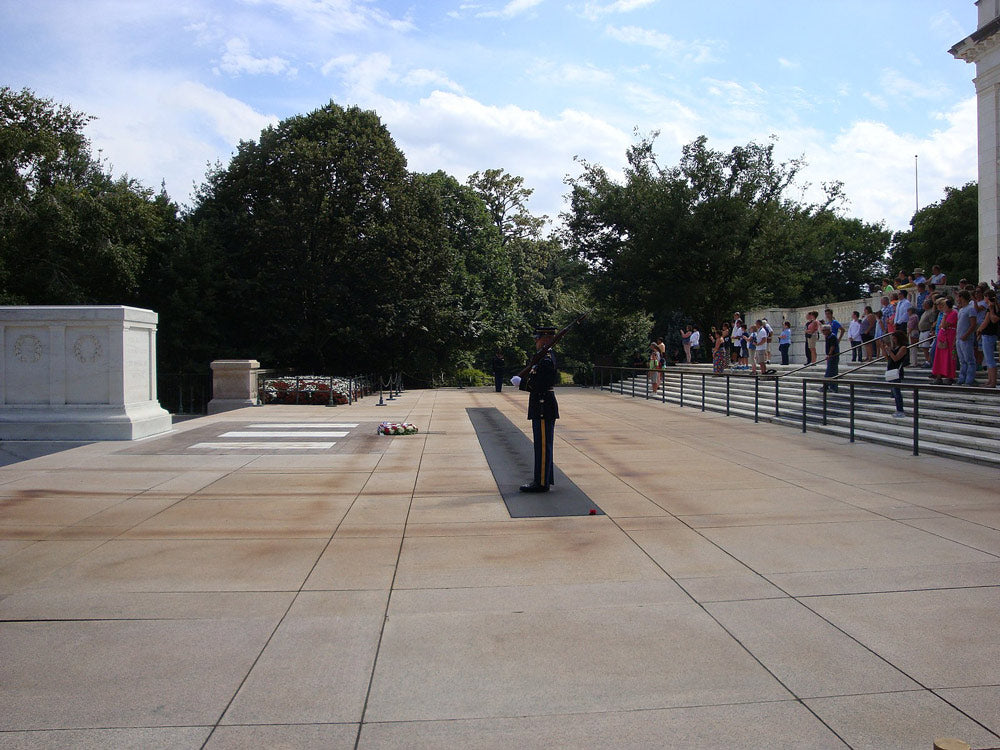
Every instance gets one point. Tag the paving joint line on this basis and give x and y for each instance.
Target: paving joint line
(291, 604)
(392, 583)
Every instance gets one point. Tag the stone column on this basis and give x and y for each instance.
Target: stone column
(983, 49)
(234, 384)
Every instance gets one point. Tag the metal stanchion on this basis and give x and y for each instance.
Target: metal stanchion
(803, 405)
(916, 421)
(703, 392)
(727, 394)
(682, 390)
(852, 411)
(756, 399)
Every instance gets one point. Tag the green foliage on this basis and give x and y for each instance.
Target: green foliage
(715, 233)
(70, 233)
(317, 225)
(945, 233)
(470, 377)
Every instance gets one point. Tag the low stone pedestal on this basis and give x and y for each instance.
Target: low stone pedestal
(234, 384)
(79, 373)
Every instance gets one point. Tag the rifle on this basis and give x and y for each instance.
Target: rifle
(545, 349)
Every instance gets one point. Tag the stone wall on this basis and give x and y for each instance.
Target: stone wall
(797, 317)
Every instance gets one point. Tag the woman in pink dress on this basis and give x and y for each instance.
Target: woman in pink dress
(943, 371)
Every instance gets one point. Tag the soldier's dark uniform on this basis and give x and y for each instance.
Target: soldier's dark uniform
(543, 411)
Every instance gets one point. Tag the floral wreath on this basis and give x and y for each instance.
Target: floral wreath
(397, 428)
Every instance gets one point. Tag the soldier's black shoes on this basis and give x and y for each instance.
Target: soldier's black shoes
(534, 487)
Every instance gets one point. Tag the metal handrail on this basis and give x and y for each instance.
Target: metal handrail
(817, 362)
(882, 358)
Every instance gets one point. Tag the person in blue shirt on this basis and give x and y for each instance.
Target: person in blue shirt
(785, 341)
(835, 326)
(965, 341)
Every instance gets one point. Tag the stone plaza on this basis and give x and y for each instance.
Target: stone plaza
(745, 586)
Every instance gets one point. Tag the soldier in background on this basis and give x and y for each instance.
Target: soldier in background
(498, 366)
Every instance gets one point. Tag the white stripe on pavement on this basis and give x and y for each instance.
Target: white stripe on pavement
(266, 446)
(270, 433)
(309, 425)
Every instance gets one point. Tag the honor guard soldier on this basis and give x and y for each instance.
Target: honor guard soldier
(543, 410)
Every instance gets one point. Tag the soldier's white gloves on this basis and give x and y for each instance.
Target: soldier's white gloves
(515, 381)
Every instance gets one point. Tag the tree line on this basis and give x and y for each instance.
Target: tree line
(315, 247)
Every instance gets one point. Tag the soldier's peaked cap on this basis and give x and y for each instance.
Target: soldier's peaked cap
(544, 331)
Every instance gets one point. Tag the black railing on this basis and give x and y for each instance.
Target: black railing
(286, 387)
(184, 392)
(685, 385)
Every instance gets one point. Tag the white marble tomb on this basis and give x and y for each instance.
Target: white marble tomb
(79, 373)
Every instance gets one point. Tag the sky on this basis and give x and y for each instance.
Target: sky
(864, 90)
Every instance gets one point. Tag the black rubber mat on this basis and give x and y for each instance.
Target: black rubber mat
(510, 456)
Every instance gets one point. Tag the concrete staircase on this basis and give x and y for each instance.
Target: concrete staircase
(960, 423)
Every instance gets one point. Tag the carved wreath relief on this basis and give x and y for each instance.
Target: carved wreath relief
(87, 350)
(27, 349)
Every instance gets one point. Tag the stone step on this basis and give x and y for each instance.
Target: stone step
(932, 427)
(943, 416)
(931, 400)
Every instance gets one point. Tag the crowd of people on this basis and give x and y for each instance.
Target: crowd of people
(916, 324)
(746, 347)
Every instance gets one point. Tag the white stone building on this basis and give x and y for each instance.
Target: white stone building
(983, 49)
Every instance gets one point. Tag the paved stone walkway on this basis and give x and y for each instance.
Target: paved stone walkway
(749, 587)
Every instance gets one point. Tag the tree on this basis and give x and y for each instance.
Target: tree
(70, 233)
(945, 233)
(537, 262)
(713, 234)
(482, 275)
(506, 200)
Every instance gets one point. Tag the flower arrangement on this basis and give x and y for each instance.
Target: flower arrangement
(397, 428)
(309, 389)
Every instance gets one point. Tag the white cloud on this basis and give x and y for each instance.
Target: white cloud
(898, 85)
(697, 52)
(337, 16)
(511, 9)
(338, 63)
(362, 75)
(788, 64)
(949, 29)
(237, 59)
(421, 77)
(876, 163)
(548, 72)
(461, 135)
(594, 11)
(876, 101)
(156, 127)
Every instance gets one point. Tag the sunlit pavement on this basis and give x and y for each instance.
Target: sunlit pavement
(284, 577)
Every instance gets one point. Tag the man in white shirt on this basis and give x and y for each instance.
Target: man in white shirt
(695, 342)
(761, 335)
(767, 343)
(854, 336)
(736, 337)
